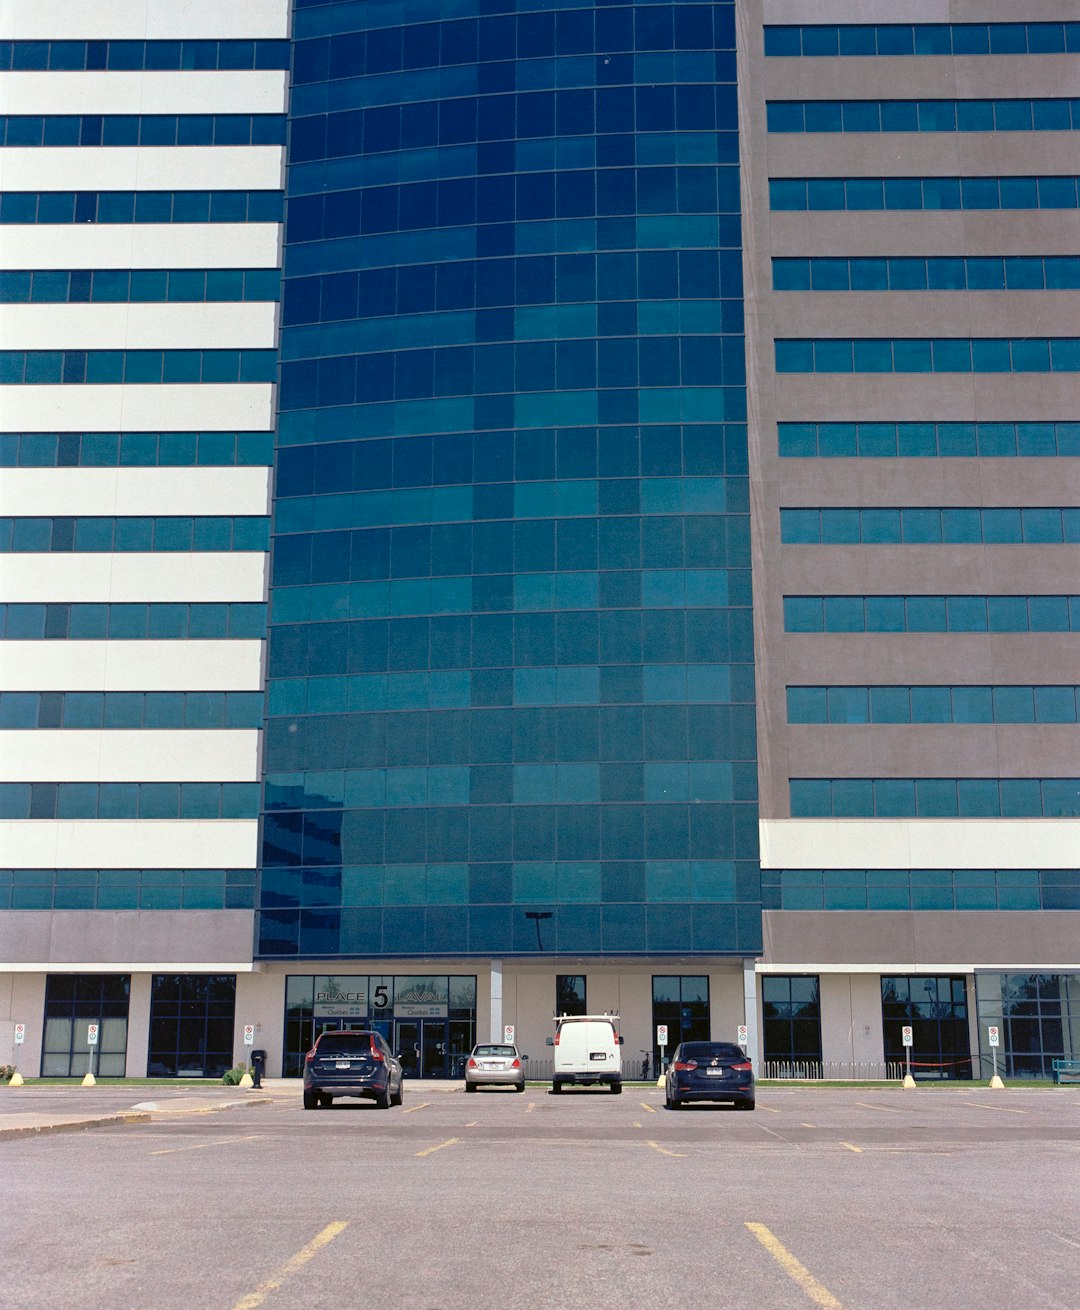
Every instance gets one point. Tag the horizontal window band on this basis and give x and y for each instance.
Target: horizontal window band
(929, 355)
(188, 55)
(862, 39)
(104, 367)
(928, 440)
(87, 534)
(1012, 115)
(151, 285)
(935, 798)
(135, 449)
(549, 685)
(63, 207)
(78, 710)
(920, 889)
(129, 800)
(932, 613)
(157, 621)
(928, 525)
(936, 273)
(51, 130)
(958, 703)
(918, 193)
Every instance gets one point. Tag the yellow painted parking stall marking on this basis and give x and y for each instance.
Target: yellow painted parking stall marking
(679, 1155)
(651, 1108)
(889, 1109)
(769, 1108)
(291, 1266)
(450, 1141)
(856, 1149)
(413, 1108)
(201, 1146)
(1001, 1109)
(794, 1269)
(530, 1107)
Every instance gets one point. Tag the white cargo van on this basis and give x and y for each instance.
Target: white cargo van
(586, 1051)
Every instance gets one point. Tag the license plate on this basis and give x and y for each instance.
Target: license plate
(716, 1073)
(598, 1055)
(341, 1064)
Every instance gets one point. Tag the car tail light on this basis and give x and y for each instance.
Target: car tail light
(516, 1064)
(376, 1054)
(310, 1056)
(558, 1034)
(471, 1064)
(745, 1067)
(685, 1064)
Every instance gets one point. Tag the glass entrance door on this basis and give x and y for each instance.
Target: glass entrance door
(421, 1047)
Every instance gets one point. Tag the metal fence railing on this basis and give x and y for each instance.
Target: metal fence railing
(833, 1070)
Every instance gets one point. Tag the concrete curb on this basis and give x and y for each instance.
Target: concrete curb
(73, 1125)
(143, 1113)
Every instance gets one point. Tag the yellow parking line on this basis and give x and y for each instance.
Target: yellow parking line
(413, 1108)
(451, 1141)
(530, 1107)
(651, 1108)
(889, 1109)
(806, 1125)
(473, 1124)
(1002, 1109)
(796, 1271)
(657, 1147)
(221, 1141)
(856, 1149)
(290, 1267)
(769, 1108)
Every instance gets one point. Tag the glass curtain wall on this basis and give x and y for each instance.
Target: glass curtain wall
(191, 1024)
(791, 1023)
(937, 1012)
(510, 659)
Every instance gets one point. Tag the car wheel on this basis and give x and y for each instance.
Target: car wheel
(556, 1088)
(676, 1104)
(382, 1099)
(325, 1101)
(399, 1095)
(617, 1088)
(470, 1087)
(519, 1087)
(744, 1105)
(311, 1100)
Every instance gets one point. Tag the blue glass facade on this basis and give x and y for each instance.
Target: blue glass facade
(510, 683)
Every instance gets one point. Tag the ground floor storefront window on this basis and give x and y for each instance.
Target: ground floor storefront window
(791, 1025)
(936, 1011)
(1038, 1017)
(191, 1024)
(73, 1002)
(429, 1020)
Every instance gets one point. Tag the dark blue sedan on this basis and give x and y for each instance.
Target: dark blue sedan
(709, 1071)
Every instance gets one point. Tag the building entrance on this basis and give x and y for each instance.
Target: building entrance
(422, 1047)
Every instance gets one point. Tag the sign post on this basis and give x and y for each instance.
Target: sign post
(91, 1042)
(907, 1036)
(661, 1041)
(993, 1033)
(16, 1079)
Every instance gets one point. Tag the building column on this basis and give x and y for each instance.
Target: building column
(496, 1020)
(136, 1064)
(750, 1013)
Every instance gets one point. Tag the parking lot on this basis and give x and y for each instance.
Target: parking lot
(859, 1199)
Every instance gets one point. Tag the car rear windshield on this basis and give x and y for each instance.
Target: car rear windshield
(494, 1050)
(344, 1043)
(711, 1050)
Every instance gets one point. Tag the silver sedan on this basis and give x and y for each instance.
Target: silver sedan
(498, 1064)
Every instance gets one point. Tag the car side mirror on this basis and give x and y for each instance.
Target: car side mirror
(550, 1041)
(622, 1040)
(524, 1057)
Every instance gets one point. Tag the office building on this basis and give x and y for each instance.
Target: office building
(487, 605)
